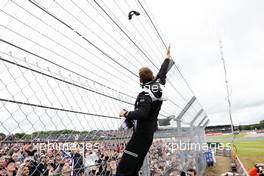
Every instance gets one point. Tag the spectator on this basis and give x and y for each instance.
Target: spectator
(66, 169)
(78, 168)
(2, 166)
(113, 166)
(10, 168)
(23, 170)
(257, 170)
(191, 172)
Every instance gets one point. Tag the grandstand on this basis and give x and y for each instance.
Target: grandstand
(220, 129)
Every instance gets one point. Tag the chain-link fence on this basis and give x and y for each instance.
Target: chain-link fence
(175, 153)
(66, 70)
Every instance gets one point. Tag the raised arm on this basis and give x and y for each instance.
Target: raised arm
(165, 67)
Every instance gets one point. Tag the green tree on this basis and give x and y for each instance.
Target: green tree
(261, 124)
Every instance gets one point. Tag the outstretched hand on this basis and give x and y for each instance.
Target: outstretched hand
(168, 53)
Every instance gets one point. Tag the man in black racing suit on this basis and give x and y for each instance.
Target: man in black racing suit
(144, 118)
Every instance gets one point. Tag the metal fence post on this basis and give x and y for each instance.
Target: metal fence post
(201, 122)
(196, 117)
(206, 123)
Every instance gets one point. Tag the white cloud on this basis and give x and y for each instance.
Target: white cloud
(194, 28)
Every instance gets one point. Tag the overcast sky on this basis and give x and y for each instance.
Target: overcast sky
(194, 28)
(93, 46)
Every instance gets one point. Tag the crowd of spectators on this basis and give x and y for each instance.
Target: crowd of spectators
(24, 160)
(28, 159)
(104, 160)
(165, 160)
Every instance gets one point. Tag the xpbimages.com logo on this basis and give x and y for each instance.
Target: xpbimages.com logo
(192, 146)
(173, 146)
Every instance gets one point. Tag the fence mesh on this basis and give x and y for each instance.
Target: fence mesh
(67, 69)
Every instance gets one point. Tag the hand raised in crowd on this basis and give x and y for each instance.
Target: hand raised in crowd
(23, 170)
